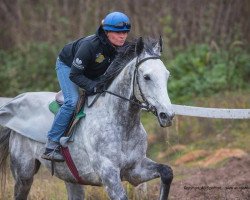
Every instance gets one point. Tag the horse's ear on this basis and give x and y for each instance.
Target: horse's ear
(158, 47)
(161, 43)
(139, 46)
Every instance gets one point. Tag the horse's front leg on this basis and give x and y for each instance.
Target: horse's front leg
(112, 182)
(148, 170)
(75, 191)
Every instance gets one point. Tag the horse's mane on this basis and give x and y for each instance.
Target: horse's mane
(128, 52)
(124, 56)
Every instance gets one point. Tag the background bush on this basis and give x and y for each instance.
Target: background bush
(202, 70)
(205, 41)
(31, 68)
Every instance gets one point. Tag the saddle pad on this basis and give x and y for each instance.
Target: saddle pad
(54, 107)
(28, 114)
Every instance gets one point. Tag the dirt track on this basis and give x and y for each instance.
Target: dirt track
(229, 182)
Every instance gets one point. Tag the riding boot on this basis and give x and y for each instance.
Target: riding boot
(52, 152)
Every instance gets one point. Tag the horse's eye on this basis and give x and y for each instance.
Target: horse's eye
(146, 77)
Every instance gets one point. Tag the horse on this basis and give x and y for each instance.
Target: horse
(4, 100)
(110, 143)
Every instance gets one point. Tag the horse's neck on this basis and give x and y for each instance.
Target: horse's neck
(125, 111)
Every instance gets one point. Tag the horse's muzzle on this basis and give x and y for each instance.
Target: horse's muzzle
(165, 118)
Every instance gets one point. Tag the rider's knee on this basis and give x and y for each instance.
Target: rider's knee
(71, 104)
(166, 174)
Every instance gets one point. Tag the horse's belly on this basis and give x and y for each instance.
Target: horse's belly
(61, 171)
(87, 178)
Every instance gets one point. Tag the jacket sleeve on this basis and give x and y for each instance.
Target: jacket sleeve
(77, 76)
(81, 61)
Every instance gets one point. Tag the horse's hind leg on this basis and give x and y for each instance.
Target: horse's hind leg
(75, 191)
(23, 165)
(23, 175)
(148, 170)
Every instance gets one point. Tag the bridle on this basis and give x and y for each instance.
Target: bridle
(145, 104)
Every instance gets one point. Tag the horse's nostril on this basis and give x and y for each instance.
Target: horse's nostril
(167, 115)
(163, 115)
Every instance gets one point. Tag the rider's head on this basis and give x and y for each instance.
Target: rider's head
(116, 25)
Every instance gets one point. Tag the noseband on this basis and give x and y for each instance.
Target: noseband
(145, 104)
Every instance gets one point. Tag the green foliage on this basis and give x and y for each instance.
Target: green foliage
(194, 133)
(202, 70)
(30, 68)
(198, 71)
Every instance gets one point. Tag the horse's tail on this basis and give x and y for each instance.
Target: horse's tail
(4, 152)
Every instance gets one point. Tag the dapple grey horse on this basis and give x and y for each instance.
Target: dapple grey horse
(110, 143)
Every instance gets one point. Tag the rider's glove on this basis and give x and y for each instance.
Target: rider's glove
(94, 88)
(90, 89)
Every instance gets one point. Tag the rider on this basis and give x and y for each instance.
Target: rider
(79, 64)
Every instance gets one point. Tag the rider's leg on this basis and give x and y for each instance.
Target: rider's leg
(63, 117)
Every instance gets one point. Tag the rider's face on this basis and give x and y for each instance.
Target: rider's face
(117, 38)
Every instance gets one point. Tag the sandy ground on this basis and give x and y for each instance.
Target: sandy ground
(230, 181)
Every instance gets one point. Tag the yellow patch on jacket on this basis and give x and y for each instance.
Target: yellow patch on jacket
(99, 58)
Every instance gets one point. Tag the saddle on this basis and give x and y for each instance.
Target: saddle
(55, 105)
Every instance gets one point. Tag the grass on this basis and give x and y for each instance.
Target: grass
(203, 133)
(46, 187)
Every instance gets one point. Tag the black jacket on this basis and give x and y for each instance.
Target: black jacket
(89, 58)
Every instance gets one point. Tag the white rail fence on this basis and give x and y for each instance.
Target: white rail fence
(219, 113)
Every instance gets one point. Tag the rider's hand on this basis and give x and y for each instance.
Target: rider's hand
(94, 88)
(90, 89)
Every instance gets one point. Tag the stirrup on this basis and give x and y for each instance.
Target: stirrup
(50, 154)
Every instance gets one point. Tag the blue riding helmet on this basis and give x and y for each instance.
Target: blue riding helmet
(116, 22)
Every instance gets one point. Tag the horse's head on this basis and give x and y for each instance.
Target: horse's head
(150, 85)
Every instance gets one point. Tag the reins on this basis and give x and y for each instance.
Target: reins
(126, 99)
(134, 101)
